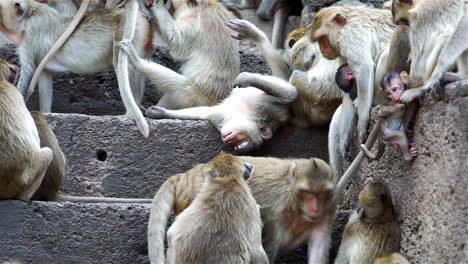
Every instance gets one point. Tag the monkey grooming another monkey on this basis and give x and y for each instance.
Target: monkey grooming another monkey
(23, 162)
(248, 116)
(34, 27)
(297, 203)
(222, 224)
(393, 129)
(198, 37)
(340, 33)
(372, 229)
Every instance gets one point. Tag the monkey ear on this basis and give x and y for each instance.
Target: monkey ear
(265, 132)
(291, 176)
(339, 19)
(404, 77)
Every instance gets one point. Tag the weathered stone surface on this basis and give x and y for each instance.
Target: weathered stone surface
(80, 233)
(98, 94)
(430, 193)
(108, 156)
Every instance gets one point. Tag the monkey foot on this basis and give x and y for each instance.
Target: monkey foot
(156, 112)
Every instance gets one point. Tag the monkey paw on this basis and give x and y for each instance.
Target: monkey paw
(242, 80)
(156, 112)
(244, 29)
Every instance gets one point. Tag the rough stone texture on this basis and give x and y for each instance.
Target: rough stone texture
(136, 167)
(430, 193)
(77, 233)
(98, 94)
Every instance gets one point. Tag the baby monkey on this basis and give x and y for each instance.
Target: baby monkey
(392, 127)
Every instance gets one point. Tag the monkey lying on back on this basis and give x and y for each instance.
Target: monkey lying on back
(297, 203)
(35, 27)
(222, 224)
(372, 230)
(248, 116)
(23, 162)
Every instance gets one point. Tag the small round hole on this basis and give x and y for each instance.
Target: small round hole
(101, 155)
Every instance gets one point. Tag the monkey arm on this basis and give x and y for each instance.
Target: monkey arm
(281, 91)
(386, 110)
(171, 30)
(365, 88)
(27, 70)
(319, 243)
(274, 58)
(196, 113)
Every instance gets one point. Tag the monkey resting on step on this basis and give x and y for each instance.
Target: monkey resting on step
(35, 27)
(297, 199)
(393, 128)
(372, 229)
(222, 224)
(249, 115)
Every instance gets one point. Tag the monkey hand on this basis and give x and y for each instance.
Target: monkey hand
(156, 112)
(238, 139)
(244, 30)
(243, 80)
(413, 150)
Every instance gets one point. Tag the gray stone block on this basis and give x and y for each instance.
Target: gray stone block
(80, 233)
(430, 193)
(107, 156)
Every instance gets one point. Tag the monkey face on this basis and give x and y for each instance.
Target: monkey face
(325, 29)
(400, 13)
(393, 89)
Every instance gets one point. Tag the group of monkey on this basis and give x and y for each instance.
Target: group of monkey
(238, 209)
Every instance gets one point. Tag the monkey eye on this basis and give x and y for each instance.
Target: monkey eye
(291, 43)
(213, 173)
(248, 171)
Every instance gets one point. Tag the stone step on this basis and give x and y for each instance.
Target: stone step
(107, 156)
(98, 94)
(81, 233)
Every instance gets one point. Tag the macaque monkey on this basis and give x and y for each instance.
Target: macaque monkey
(393, 128)
(197, 36)
(340, 33)
(391, 258)
(304, 66)
(34, 27)
(439, 40)
(23, 162)
(372, 229)
(296, 197)
(250, 115)
(222, 224)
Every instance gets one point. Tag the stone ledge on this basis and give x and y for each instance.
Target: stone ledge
(107, 156)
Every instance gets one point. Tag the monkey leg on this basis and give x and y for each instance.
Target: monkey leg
(45, 83)
(346, 124)
(279, 25)
(36, 172)
(334, 143)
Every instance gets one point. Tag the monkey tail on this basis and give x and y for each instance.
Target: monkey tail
(63, 38)
(122, 72)
(368, 154)
(101, 199)
(161, 209)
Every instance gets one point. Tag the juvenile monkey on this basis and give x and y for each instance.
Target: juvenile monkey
(340, 33)
(23, 162)
(197, 36)
(372, 229)
(312, 74)
(393, 128)
(248, 116)
(222, 224)
(34, 27)
(438, 44)
(391, 258)
(297, 203)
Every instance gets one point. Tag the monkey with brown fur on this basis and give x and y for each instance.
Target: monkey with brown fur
(94, 42)
(223, 219)
(197, 36)
(297, 201)
(23, 162)
(438, 35)
(250, 115)
(372, 230)
(391, 258)
(340, 33)
(393, 128)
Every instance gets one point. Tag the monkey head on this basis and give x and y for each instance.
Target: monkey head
(400, 11)
(7, 71)
(313, 188)
(346, 80)
(303, 54)
(294, 36)
(245, 135)
(375, 203)
(393, 85)
(12, 14)
(226, 167)
(326, 28)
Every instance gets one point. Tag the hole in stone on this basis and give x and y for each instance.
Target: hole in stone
(101, 155)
